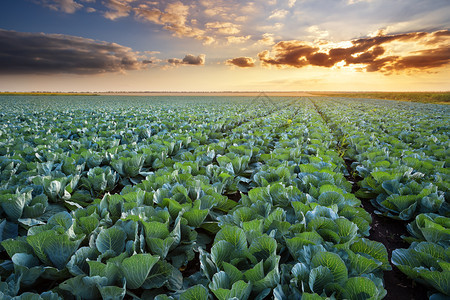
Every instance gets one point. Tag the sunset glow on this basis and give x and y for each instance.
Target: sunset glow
(271, 45)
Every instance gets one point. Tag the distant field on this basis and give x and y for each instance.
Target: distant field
(179, 94)
(44, 94)
(423, 97)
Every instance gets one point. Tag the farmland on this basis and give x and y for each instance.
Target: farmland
(423, 97)
(223, 197)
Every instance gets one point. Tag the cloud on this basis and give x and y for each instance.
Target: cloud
(223, 27)
(175, 13)
(272, 28)
(242, 62)
(39, 53)
(316, 33)
(66, 6)
(426, 59)
(149, 14)
(215, 11)
(194, 60)
(189, 59)
(267, 39)
(174, 17)
(278, 14)
(377, 53)
(249, 8)
(350, 2)
(175, 61)
(117, 9)
(238, 39)
(211, 22)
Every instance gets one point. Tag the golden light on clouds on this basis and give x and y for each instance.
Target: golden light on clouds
(226, 45)
(387, 54)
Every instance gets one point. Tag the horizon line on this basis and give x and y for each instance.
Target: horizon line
(229, 91)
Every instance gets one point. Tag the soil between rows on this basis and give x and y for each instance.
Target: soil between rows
(388, 232)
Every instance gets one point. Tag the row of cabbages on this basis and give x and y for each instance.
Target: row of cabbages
(402, 152)
(123, 202)
(301, 223)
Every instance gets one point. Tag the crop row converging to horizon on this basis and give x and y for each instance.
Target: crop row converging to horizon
(219, 197)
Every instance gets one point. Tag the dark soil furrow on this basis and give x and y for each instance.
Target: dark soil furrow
(388, 232)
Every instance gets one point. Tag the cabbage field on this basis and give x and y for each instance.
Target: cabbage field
(105, 197)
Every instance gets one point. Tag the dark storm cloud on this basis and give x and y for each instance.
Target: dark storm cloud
(242, 62)
(368, 52)
(39, 53)
(189, 59)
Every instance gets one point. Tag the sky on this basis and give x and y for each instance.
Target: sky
(224, 45)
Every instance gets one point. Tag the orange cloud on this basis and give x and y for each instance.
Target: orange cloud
(242, 62)
(223, 27)
(373, 53)
(117, 9)
(238, 39)
(173, 17)
(426, 59)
